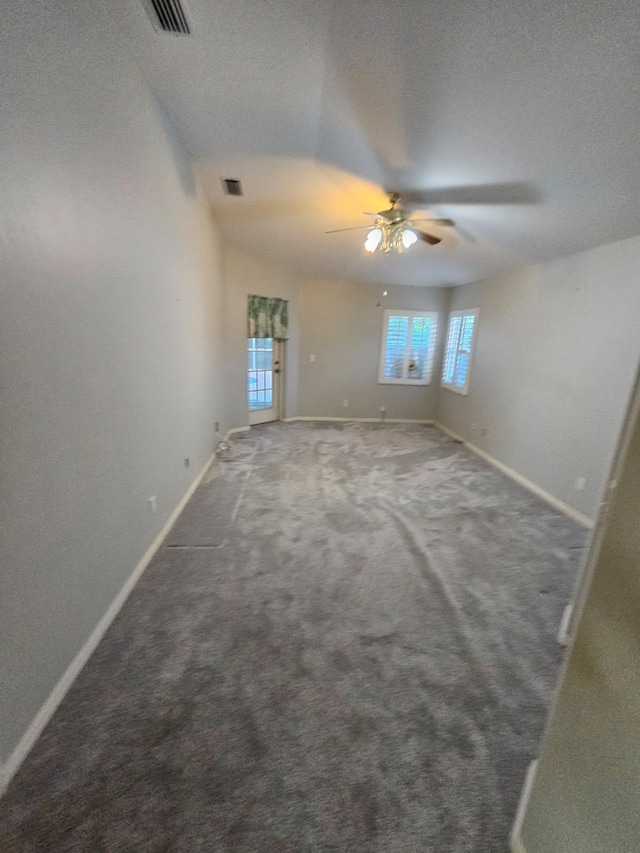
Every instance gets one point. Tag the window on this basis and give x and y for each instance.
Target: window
(459, 350)
(408, 345)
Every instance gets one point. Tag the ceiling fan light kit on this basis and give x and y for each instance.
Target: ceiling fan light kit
(394, 233)
(389, 237)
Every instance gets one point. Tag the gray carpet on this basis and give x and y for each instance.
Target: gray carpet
(346, 644)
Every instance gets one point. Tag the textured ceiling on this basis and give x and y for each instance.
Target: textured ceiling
(319, 106)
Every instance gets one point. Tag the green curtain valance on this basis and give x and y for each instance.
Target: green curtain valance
(268, 318)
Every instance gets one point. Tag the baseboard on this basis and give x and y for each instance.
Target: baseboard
(360, 420)
(563, 631)
(553, 501)
(33, 732)
(515, 842)
(517, 845)
(235, 431)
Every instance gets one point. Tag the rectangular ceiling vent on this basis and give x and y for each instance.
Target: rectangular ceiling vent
(168, 16)
(232, 186)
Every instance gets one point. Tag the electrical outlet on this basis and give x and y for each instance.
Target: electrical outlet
(187, 463)
(216, 426)
(345, 403)
(581, 484)
(382, 410)
(312, 357)
(153, 503)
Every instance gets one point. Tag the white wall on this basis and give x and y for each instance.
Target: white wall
(110, 336)
(585, 794)
(341, 325)
(557, 350)
(244, 275)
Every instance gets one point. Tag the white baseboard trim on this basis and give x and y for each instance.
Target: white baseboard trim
(563, 630)
(556, 503)
(360, 420)
(517, 845)
(35, 728)
(515, 842)
(235, 431)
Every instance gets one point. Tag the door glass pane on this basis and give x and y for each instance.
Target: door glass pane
(260, 373)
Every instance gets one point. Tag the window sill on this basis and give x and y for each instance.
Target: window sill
(421, 382)
(461, 392)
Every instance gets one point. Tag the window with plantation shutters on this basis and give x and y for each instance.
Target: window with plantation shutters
(458, 350)
(408, 346)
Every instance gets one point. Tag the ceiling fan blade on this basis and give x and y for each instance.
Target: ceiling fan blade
(428, 238)
(442, 223)
(356, 228)
(468, 236)
(508, 192)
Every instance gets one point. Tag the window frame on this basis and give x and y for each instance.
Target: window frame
(465, 312)
(431, 350)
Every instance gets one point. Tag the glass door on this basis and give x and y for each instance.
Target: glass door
(263, 380)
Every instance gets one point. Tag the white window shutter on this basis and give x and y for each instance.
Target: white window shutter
(395, 346)
(451, 349)
(408, 347)
(456, 368)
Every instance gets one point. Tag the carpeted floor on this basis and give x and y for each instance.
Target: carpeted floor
(346, 644)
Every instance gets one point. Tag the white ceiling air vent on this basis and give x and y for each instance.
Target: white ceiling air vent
(232, 186)
(168, 16)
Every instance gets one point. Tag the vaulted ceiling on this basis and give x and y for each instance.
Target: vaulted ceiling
(519, 119)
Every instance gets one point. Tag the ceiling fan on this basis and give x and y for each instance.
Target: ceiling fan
(394, 231)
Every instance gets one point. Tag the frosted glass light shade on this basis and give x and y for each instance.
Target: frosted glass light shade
(409, 237)
(373, 239)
